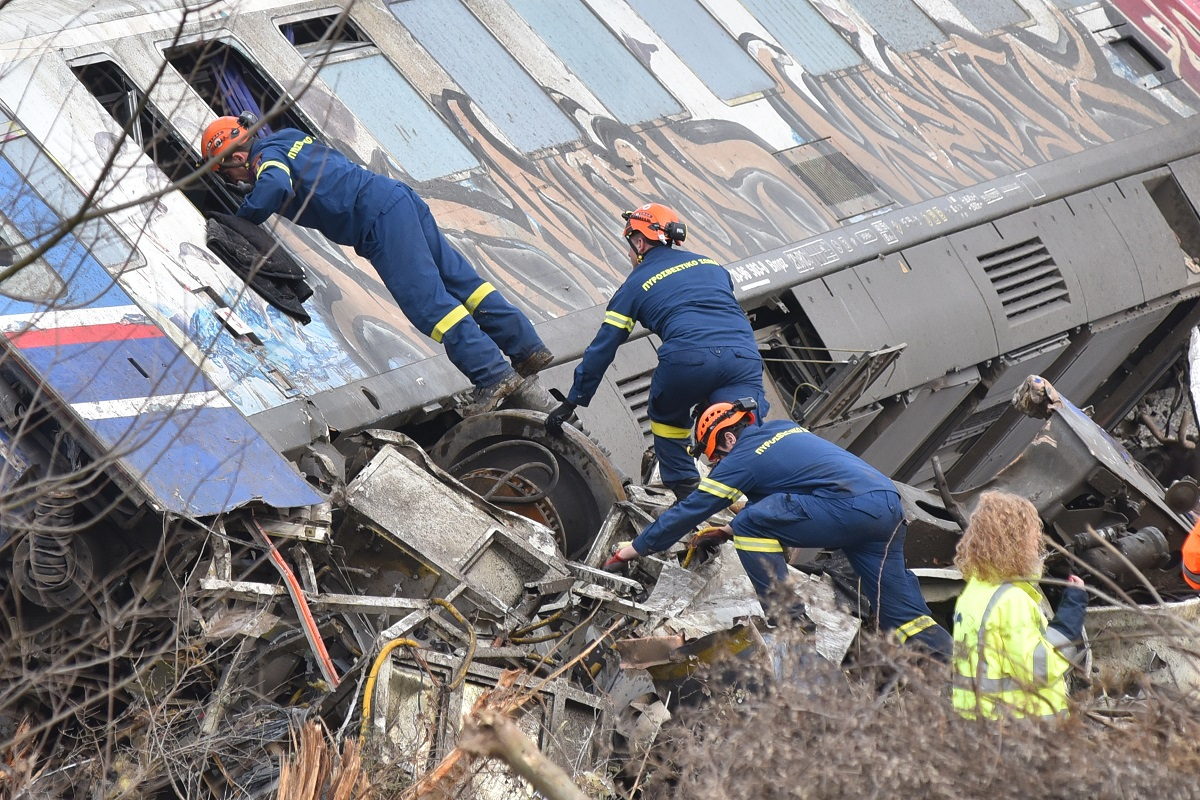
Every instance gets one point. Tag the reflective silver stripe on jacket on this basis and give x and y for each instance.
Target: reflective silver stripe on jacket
(981, 661)
(987, 685)
(1070, 650)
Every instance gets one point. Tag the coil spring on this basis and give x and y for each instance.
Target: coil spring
(52, 561)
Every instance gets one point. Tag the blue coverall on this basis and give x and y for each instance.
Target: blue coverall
(391, 226)
(708, 354)
(806, 492)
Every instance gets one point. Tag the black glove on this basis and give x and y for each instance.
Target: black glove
(556, 418)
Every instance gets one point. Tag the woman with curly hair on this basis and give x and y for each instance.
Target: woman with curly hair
(1007, 660)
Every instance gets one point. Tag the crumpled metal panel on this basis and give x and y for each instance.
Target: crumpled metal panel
(1145, 643)
(453, 531)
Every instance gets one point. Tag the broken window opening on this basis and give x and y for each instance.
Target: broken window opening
(109, 84)
(318, 36)
(798, 360)
(1180, 216)
(350, 63)
(1137, 57)
(231, 84)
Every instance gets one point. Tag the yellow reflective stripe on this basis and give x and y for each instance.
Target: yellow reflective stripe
(279, 164)
(669, 431)
(755, 545)
(719, 489)
(477, 296)
(618, 320)
(447, 322)
(914, 626)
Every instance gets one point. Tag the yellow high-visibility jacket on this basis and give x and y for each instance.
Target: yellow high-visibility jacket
(1006, 661)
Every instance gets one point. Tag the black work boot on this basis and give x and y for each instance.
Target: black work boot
(534, 363)
(486, 398)
(683, 488)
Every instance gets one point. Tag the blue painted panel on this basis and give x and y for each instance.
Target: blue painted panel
(84, 282)
(96, 371)
(805, 35)
(493, 78)
(706, 47)
(202, 462)
(599, 59)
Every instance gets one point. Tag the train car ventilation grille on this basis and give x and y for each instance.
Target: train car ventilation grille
(1026, 279)
(636, 391)
(834, 179)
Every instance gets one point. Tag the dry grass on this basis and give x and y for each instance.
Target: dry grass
(886, 729)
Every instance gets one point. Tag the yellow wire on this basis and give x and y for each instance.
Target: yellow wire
(458, 679)
(369, 691)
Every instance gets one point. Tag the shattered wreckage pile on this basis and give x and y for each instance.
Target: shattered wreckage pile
(418, 597)
(600, 651)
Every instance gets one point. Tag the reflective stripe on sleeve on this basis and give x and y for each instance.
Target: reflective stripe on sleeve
(669, 431)
(1192, 578)
(987, 685)
(719, 489)
(267, 164)
(477, 296)
(752, 544)
(914, 626)
(1041, 664)
(447, 322)
(618, 320)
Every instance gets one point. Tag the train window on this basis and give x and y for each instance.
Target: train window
(706, 47)
(591, 51)
(901, 23)
(492, 78)
(109, 84)
(990, 15)
(232, 83)
(35, 199)
(805, 35)
(32, 282)
(359, 74)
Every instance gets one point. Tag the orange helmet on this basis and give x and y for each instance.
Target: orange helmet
(719, 417)
(220, 137)
(657, 223)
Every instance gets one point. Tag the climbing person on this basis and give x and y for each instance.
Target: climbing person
(708, 353)
(802, 491)
(1007, 660)
(296, 176)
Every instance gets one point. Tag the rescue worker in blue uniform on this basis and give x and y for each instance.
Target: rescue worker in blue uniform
(803, 491)
(386, 222)
(708, 353)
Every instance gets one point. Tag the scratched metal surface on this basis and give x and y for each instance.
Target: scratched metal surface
(964, 115)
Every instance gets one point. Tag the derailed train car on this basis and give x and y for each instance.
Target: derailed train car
(920, 204)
